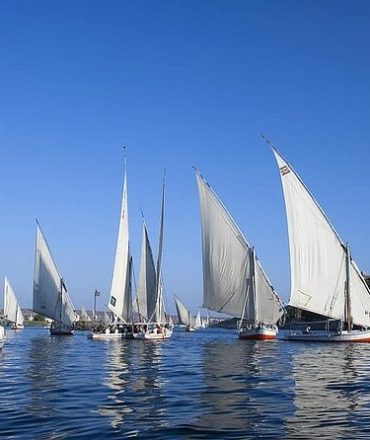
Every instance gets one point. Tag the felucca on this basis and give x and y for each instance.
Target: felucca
(184, 316)
(120, 300)
(234, 282)
(324, 278)
(12, 309)
(154, 323)
(50, 295)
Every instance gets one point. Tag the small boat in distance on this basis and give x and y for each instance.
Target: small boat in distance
(154, 323)
(50, 296)
(184, 316)
(324, 278)
(12, 309)
(234, 282)
(84, 315)
(120, 300)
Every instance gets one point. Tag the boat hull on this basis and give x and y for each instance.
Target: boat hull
(59, 332)
(60, 329)
(153, 336)
(263, 333)
(316, 336)
(18, 327)
(109, 337)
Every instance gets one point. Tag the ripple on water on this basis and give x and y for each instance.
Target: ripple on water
(199, 385)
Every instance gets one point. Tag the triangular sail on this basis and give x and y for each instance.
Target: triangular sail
(84, 315)
(160, 313)
(198, 321)
(228, 270)
(12, 309)
(146, 289)
(318, 256)
(120, 300)
(183, 313)
(50, 296)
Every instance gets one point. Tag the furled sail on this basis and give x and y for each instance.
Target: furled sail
(12, 309)
(50, 296)
(318, 256)
(120, 300)
(232, 282)
(146, 289)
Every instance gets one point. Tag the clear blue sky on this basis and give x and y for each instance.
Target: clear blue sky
(180, 83)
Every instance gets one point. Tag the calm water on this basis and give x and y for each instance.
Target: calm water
(199, 385)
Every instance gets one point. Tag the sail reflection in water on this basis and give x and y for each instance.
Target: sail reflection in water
(117, 377)
(332, 397)
(195, 385)
(136, 380)
(239, 383)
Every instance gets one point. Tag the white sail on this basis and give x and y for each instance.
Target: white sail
(120, 300)
(50, 296)
(106, 318)
(198, 321)
(160, 312)
(146, 289)
(318, 256)
(183, 313)
(84, 314)
(233, 282)
(12, 309)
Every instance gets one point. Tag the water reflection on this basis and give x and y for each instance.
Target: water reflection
(331, 391)
(241, 379)
(117, 377)
(46, 371)
(134, 377)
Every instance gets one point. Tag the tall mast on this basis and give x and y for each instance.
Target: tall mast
(160, 244)
(253, 280)
(160, 248)
(348, 311)
(250, 286)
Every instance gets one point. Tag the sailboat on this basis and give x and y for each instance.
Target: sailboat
(324, 278)
(234, 282)
(154, 323)
(84, 315)
(184, 316)
(198, 321)
(50, 295)
(12, 309)
(120, 299)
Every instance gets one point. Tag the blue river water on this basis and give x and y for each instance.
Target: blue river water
(202, 385)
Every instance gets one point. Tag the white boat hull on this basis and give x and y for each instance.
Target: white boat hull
(258, 333)
(322, 336)
(109, 336)
(153, 335)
